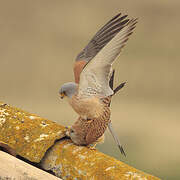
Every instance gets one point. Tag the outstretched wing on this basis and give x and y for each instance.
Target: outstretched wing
(100, 39)
(95, 76)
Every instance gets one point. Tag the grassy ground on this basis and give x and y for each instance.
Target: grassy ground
(39, 41)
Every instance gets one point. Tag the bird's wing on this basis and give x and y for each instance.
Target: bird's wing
(94, 79)
(91, 136)
(100, 39)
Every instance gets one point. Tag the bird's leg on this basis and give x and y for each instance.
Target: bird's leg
(89, 120)
(85, 118)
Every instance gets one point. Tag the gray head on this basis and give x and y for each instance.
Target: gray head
(68, 89)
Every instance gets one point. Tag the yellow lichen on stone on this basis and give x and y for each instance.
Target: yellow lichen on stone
(69, 161)
(31, 137)
(28, 134)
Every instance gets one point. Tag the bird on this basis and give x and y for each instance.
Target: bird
(79, 131)
(90, 94)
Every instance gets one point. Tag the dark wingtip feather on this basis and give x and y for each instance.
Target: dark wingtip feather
(105, 34)
(123, 17)
(134, 20)
(115, 17)
(125, 21)
(122, 150)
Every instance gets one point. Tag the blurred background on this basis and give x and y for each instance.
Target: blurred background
(39, 41)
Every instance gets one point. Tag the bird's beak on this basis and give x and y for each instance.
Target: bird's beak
(67, 131)
(62, 95)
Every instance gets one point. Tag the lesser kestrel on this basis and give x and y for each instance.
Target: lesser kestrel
(86, 132)
(90, 95)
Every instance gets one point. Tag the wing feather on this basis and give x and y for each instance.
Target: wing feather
(102, 37)
(96, 74)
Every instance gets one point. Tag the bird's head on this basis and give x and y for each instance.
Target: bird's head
(70, 132)
(68, 90)
(76, 135)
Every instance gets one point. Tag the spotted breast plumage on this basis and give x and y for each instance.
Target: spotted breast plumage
(91, 93)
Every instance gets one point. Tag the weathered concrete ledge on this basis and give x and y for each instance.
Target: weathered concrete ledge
(43, 141)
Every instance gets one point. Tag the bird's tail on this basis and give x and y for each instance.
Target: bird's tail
(116, 139)
(111, 84)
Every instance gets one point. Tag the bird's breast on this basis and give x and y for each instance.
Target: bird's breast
(88, 107)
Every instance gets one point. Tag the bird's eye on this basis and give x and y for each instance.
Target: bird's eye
(71, 131)
(62, 94)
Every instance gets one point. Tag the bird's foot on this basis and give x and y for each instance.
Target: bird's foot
(92, 146)
(89, 120)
